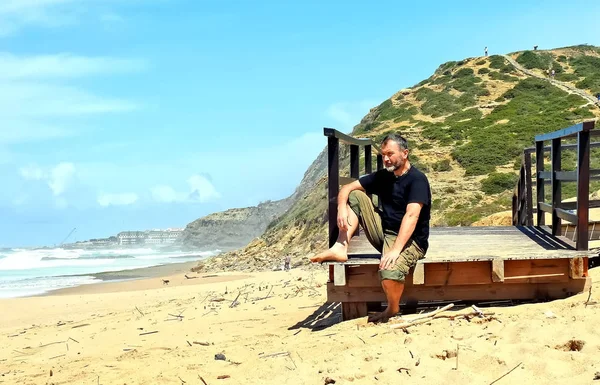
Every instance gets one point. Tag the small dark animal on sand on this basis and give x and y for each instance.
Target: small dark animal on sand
(165, 281)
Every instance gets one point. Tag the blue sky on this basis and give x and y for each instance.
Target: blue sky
(137, 114)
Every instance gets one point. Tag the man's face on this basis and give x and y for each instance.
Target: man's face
(393, 156)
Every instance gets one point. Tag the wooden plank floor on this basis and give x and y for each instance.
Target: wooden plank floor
(461, 244)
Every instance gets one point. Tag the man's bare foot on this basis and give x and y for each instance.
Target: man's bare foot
(337, 253)
(384, 316)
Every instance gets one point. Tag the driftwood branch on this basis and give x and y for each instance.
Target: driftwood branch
(505, 374)
(427, 317)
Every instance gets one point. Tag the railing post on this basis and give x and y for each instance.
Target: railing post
(529, 202)
(539, 182)
(354, 166)
(522, 198)
(556, 186)
(583, 188)
(333, 183)
(368, 160)
(379, 162)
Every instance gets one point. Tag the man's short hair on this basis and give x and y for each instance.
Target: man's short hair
(396, 138)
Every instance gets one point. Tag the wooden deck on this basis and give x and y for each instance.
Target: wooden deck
(468, 263)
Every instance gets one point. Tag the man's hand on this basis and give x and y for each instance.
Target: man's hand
(389, 259)
(342, 218)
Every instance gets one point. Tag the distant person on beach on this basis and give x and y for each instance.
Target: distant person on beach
(399, 230)
(486, 51)
(286, 264)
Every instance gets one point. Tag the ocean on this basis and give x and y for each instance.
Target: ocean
(27, 272)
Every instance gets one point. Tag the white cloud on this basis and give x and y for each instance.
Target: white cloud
(31, 172)
(60, 176)
(64, 65)
(34, 105)
(35, 101)
(167, 194)
(348, 114)
(122, 199)
(200, 190)
(16, 14)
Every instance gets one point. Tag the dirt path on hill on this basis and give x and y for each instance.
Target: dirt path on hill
(562, 85)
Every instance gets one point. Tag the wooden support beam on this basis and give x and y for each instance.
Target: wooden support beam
(576, 269)
(419, 274)
(339, 275)
(351, 310)
(490, 292)
(498, 270)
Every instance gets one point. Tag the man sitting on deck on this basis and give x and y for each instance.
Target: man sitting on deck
(400, 230)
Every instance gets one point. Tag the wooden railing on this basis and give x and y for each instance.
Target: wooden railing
(333, 169)
(522, 204)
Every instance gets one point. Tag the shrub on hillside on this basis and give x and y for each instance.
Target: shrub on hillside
(480, 62)
(497, 61)
(531, 60)
(591, 83)
(504, 77)
(463, 72)
(482, 71)
(437, 103)
(404, 111)
(565, 77)
(498, 182)
(442, 166)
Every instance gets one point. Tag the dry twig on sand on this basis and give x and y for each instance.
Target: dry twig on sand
(428, 317)
(505, 374)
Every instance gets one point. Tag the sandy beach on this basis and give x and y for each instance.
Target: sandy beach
(274, 328)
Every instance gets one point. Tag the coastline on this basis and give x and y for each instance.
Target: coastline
(142, 279)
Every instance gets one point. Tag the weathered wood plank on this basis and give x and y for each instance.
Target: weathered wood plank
(498, 270)
(576, 269)
(485, 244)
(418, 277)
(493, 291)
(536, 271)
(458, 273)
(339, 275)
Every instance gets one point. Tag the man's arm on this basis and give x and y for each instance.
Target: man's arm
(409, 222)
(342, 199)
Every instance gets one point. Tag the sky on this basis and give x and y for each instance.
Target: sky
(137, 114)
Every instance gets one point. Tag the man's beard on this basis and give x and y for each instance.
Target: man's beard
(392, 168)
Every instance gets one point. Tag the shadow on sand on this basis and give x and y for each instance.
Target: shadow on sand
(325, 316)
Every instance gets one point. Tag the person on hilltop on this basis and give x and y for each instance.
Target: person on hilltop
(486, 51)
(400, 230)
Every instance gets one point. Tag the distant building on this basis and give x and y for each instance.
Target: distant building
(149, 237)
(131, 237)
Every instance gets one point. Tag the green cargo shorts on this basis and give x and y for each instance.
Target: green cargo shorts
(370, 220)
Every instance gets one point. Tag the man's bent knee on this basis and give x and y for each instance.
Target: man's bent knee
(393, 275)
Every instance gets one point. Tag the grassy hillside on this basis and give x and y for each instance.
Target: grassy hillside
(466, 125)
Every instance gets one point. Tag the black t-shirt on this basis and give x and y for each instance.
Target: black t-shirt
(395, 193)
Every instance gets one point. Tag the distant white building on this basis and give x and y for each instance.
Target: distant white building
(149, 237)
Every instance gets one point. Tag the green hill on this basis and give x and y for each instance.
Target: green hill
(466, 125)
